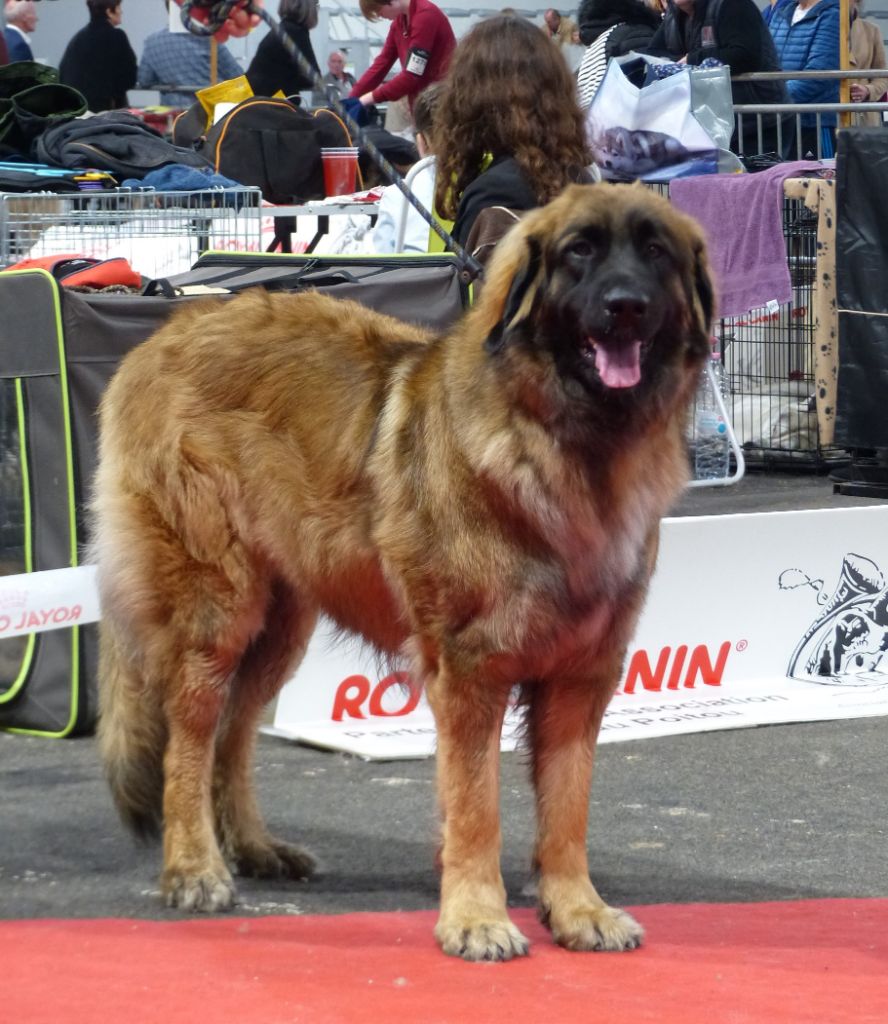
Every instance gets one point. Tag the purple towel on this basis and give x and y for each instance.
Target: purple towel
(742, 218)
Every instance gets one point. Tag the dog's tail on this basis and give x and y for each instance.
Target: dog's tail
(132, 736)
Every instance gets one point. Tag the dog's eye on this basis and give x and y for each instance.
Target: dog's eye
(653, 250)
(581, 249)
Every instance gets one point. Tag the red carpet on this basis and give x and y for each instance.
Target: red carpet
(822, 961)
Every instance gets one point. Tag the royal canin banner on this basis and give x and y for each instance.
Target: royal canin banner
(751, 620)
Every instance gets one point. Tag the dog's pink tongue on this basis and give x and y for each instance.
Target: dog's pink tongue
(618, 365)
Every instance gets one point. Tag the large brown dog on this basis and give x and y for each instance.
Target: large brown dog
(484, 504)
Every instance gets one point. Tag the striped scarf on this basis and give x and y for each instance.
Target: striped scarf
(592, 68)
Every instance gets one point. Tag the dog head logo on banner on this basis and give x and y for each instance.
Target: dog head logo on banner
(847, 643)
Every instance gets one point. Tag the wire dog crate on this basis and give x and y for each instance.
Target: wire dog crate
(159, 233)
(769, 361)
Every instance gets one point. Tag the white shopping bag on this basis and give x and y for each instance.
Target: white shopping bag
(664, 127)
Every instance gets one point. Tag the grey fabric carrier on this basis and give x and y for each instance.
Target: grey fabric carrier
(423, 289)
(57, 353)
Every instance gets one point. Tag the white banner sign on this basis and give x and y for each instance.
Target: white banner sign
(751, 620)
(37, 601)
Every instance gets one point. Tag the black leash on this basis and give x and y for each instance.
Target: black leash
(218, 12)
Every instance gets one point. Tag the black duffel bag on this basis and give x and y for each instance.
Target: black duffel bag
(271, 144)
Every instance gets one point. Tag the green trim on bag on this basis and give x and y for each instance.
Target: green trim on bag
(26, 474)
(72, 511)
(66, 413)
(28, 656)
(72, 508)
(367, 257)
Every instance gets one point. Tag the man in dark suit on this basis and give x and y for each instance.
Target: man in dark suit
(21, 20)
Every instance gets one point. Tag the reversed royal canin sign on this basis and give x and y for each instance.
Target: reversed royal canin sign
(39, 601)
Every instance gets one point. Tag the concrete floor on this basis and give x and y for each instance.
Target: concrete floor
(783, 812)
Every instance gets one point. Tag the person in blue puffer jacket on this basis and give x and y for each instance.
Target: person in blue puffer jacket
(772, 8)
(806, 37)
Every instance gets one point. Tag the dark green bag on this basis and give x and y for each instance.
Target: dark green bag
(7, 116)
(24, 74)
(16, 78)
(43, 106)
(32, 100)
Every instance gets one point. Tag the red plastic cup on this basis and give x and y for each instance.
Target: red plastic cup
(340, 170)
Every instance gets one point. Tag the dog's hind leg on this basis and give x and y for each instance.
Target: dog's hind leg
(473, 922)
(564, 716)
(174, 629)
(211, 599)
(269, 661)
(226, 617)
(195, 876)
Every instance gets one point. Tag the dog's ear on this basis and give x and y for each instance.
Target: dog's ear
(521, 283)
(703, 289)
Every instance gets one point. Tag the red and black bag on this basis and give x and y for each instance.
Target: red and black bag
(75, 270)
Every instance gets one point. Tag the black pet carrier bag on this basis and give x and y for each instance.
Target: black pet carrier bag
(58, 349)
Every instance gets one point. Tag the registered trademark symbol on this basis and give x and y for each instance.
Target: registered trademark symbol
(741, 645)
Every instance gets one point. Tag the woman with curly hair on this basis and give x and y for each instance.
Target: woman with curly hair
(508, 130)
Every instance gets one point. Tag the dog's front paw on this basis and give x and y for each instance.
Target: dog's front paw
(274, 859)
(481, 940)
(206, 892)
(594, 928)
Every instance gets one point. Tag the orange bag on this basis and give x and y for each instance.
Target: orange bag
(74, 269)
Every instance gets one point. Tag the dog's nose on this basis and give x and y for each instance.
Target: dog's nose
(625, 305)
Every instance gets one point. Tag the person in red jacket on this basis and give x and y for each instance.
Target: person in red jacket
(420, 37)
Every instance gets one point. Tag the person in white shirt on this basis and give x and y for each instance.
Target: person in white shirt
(384, 236)
(356, 237)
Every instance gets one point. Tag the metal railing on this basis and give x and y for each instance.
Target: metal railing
(779, 127)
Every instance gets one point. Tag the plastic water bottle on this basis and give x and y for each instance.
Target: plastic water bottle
(712, 448)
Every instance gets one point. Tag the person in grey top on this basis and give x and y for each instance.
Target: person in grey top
(337, 82)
